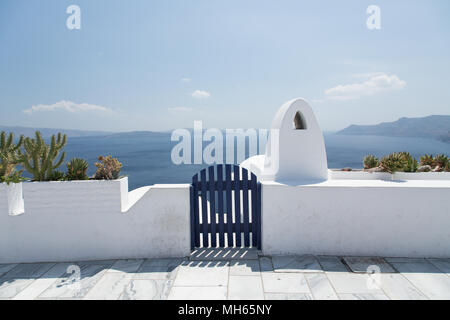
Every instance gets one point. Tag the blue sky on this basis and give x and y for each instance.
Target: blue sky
(160, 65)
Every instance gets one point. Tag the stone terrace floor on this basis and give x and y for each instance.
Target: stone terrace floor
(230, 274)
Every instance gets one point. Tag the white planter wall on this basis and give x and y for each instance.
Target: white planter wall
(12, 198)
(364, 175)
(356, 217)
(90, 220)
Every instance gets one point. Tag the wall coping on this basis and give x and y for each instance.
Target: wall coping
(364, 183)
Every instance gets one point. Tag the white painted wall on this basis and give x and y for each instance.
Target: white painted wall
(13, 198)
(364, 175)
(89, 220)
(357, 217)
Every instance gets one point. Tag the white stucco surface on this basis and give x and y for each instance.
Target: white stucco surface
(357, 217)
(364, 175)
(90, 220)
(292, 154)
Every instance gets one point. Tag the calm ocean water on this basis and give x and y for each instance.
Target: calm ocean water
(147, 161)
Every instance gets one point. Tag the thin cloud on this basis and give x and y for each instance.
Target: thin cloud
(200, 94)
(68, 106)
(186, 80)
(377, 83)
(180, 109)
(367, 75)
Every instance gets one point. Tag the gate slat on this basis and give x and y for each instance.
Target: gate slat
(220, 205)
(229, 206)
(191, 192)
(254, 191)
(258, 205)
(237, 207)
(212, 206)
(196, 212)
(204, 208)
(245, 207)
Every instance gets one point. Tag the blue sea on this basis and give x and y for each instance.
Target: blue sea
(147, 158)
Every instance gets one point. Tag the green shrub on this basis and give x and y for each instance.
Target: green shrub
(39, 158)
(370, 161)
(15, 177)
(77, 169)
(108, 168)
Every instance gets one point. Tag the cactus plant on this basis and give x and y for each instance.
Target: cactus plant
(441, 161)
(56, 175)
(39, 158)
(370, 161)
(107, 169)
(394, 162)
(10, 155)
(411, 163)
(427, 160)
(77, 169)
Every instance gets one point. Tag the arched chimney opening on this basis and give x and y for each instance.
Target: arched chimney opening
(299, 122)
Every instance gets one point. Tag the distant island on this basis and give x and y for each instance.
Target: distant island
(434, 127)
(48, 132)
(75, 133)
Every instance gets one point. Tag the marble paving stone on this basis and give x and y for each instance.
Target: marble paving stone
(41, 284)
(265, 264)
(361, 264)
(6, 267)
(441, 264)
(355, 283)
(202, 273)
(320, 286)
(305, 263)
(127, 266)
(332, 264)
(278, 282)
(397, 287)
(198, 293)
(11, 287)
(426, 277)
(405, 260)
(139, 289)
(163, 262)
(76, 286)
(363, 296)
(224, 254)
(244, 268)
(108, 262)
(110, 287)
(288, 296)
(245, 288)
(156, 273)
(28, 270)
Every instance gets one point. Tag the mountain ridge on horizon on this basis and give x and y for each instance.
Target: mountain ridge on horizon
(433, 126)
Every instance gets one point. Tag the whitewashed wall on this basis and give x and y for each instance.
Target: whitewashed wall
(356, 217)
(398, 176)
(88, 220)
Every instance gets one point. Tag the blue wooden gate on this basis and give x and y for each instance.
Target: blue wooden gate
(225, 208)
